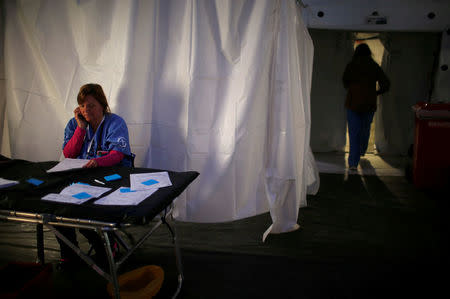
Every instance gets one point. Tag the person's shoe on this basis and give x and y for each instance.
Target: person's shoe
(353, 168)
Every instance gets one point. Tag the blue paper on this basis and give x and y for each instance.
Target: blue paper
(126, 190)
(112, 177)
(80, 183)
(35, 182)
(82, 195)
(150, 182)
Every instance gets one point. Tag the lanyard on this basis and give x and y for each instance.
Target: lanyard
(94, 137)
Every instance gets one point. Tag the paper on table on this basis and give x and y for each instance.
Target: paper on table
(124, 197)
(77, 188)
(64, 198)
(67, 164)
(143, 181)
(76, 193)
(4, 183)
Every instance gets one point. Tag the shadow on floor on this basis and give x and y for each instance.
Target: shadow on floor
(361, 236)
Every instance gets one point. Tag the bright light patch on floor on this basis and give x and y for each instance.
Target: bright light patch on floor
(370, 164)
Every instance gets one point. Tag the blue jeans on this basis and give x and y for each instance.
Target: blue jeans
(359, 133)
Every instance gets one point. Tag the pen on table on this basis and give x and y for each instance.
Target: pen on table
(97, 181)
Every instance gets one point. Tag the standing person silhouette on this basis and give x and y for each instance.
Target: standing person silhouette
(360, 77)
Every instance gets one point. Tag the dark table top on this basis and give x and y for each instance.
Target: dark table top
(26, 197)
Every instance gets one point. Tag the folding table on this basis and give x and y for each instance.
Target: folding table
(23, 203)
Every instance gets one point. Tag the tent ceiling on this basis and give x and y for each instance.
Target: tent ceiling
(400, 15)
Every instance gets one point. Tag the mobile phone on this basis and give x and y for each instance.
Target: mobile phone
(81, 117)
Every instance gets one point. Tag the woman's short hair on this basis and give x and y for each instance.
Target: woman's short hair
(96, 91)
(362, 50)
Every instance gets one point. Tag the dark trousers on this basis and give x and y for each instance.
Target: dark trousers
(67, 254)
(358, 133)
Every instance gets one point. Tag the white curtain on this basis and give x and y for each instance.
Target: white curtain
(441, 91)
(409, 64)
(4, 146)
(220, 87)
(332, 51)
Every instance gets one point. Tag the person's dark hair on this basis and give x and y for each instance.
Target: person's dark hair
(362, 50)
(96, 91)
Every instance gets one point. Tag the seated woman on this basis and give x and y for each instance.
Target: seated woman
(97, 134)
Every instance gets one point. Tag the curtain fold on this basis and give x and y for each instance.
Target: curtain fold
(290, 117)
(333, 50)
(4, 137)
(441, 91)
(220, 87)
(408, 63)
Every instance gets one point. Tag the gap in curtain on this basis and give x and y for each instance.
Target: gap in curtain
(378, 53)
(409, 61)
(402, 63)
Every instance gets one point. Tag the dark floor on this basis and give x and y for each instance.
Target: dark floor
(360, 237)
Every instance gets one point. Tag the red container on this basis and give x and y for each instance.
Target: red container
(431, 157)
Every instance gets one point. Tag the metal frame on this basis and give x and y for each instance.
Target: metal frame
(102, 228)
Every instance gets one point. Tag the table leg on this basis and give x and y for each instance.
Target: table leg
(40, 243)
(177, 256)
(112, 264)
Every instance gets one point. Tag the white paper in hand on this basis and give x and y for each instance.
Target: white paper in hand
(68, 164)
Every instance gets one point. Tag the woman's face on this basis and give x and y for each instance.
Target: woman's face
(91, 109)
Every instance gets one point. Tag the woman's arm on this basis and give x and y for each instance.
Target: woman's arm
(113, 158)
(383, 82)
(73, 146)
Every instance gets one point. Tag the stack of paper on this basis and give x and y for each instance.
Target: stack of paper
(124, 196)
(4, 183)
(151, 180)
(142, 186)
(77, 193)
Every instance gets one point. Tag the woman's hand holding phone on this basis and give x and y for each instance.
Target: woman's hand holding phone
(81, 121)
